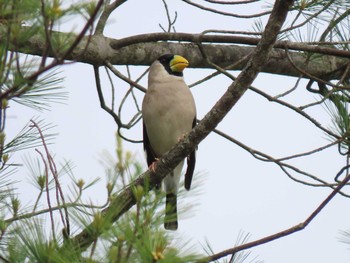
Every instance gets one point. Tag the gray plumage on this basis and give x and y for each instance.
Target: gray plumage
(169, 113)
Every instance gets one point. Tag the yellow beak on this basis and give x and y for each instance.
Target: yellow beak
(178, 63)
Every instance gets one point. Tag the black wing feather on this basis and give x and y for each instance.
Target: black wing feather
(151, 156)
(191, 163)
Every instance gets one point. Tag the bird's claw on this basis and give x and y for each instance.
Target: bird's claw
(152, 168)
(181, 137)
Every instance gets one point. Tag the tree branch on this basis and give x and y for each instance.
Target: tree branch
(109, 8)
(225, 13)
(125, 199)
(281, 234)
(226, 39)
(144, 49)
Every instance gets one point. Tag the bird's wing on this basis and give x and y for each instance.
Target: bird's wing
(151, 156)
(191, 163)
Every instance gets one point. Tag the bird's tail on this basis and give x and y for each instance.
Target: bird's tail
(170, 221)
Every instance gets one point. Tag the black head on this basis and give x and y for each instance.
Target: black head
(173, 64)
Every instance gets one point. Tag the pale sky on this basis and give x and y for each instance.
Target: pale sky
(238, 194)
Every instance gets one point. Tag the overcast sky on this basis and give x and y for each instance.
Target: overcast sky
(238, 194)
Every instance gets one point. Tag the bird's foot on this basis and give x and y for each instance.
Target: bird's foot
(152, 168)
(181, 137)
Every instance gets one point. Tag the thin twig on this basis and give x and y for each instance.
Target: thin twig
(48, 194)
(103, 105)
(215, 11)
(53, 170)
(283, 166)
(16, 92)
(101, 97)
(9, 221)
(131, 89)
(311, 17)
(296, 109)
(232, 2)
(38, 199)
(289, 91)
(48, 42)
(126, 79)
(112, 88)
(283, 233)
(109, 8)
(303, 72)
(170, 22)
(4, 259)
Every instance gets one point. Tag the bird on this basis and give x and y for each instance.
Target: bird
(169, 112)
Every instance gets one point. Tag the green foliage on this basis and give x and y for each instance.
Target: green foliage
(338, 109)
(324, 21)
(40, 230)
(138, 236)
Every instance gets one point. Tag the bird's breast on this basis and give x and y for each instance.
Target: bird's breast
(168, 115)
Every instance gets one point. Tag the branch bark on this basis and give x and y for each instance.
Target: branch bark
(144, 49)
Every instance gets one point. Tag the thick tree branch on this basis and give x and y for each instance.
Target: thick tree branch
(144, 49)
(125, 200)
(226, 39)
